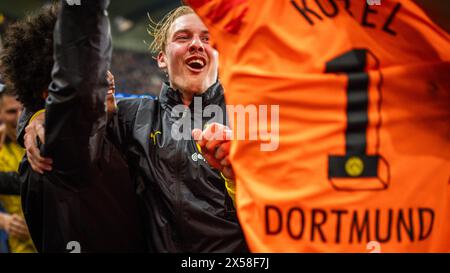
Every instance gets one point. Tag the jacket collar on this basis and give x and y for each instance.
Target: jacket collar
(171, 97)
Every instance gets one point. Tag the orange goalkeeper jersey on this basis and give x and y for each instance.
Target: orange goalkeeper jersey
(362, 158)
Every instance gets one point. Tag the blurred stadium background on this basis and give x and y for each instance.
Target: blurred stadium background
(132, 65)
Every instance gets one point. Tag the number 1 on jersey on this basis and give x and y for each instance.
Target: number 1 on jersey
(356, 170)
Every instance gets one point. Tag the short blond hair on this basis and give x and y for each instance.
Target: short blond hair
(160, 30)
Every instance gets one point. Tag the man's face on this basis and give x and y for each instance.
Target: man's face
(10, 111)
(190, 60)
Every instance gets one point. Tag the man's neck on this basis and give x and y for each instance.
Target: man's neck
(11, 134)
(186, 98)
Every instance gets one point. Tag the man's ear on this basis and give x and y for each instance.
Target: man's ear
(162, 60)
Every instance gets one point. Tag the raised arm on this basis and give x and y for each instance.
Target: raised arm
(75, 107)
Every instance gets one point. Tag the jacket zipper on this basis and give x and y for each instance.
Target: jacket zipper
(178, 195)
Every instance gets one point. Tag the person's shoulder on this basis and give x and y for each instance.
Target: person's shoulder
(127, 104)
(128, 108)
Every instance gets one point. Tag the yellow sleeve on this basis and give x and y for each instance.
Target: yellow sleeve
(231, 188)
(35, 115)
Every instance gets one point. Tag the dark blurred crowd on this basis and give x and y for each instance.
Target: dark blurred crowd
(136, 73)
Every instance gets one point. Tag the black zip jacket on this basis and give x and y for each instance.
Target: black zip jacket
(188, 208)
(184, 202)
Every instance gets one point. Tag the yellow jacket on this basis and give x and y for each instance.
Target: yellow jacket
(10, 155)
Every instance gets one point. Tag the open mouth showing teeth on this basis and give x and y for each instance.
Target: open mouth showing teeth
(196, 63)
